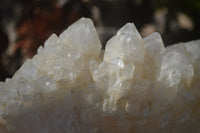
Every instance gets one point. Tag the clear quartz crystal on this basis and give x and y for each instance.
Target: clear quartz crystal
(135, 85)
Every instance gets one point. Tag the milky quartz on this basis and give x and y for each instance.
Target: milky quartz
(135, 85)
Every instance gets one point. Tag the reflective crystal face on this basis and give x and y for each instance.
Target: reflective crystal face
(135, 85)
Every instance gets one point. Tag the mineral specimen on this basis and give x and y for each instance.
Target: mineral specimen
(135, 85)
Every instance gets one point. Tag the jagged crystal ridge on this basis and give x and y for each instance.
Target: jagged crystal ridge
(135, 85)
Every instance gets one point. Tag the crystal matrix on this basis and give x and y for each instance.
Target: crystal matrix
(134, 85)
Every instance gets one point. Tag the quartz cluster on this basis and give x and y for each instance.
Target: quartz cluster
(134, 85)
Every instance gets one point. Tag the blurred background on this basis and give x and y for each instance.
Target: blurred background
(26, 24)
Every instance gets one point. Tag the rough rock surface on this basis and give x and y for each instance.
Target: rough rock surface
(135, 85)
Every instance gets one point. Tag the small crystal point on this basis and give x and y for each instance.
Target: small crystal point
(154, 44)
(129, 29)
(127, 44)
(82, 36)
(176, 66)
